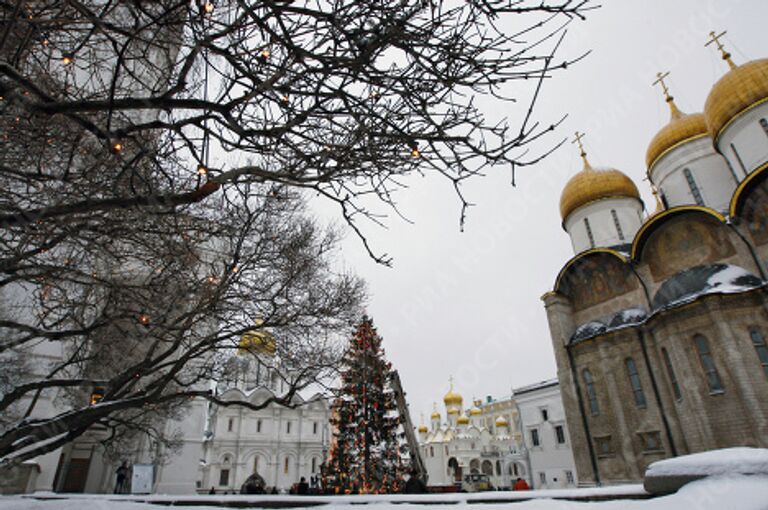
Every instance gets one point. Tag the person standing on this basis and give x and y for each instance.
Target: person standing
(121, 475)
(415, 485)
(302, 488)
(521, 485)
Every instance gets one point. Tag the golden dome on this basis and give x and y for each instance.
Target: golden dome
(742, 88)
(452, 398)
(681, 128)
(257, 341)
(453, 410)
(502, 422)
(463, 420)
(475, 411)
(423, 429)
(594, 184)
(435, 415)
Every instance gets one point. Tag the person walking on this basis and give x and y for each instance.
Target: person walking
(212, 491)
(415, 485)
(303, 487)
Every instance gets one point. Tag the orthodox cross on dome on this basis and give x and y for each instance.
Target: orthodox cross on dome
(715, 38)
(450, 381)
(660, 80)
(582, 152)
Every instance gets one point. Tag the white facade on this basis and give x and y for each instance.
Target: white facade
(744, 142)
(694, 174)
(546, 436)
(604, 223)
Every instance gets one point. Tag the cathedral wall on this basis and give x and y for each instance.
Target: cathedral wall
(626, 436)
(708, 169)
(744, 142)
(736, 415)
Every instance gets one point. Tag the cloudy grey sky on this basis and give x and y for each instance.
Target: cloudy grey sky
(468, 304)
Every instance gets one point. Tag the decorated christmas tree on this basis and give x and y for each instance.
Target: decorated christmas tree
(367, 454)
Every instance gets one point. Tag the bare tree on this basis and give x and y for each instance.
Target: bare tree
(152, 153)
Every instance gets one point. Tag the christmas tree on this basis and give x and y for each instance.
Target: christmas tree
(367, 454)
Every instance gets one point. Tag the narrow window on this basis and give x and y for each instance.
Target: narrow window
(759, 342)
(230, 424)
(591, 395)
(431, 451)
(544, 415)
(285, 465)
(693, 186)
(560, 434)
(617, 224)
(764, 125)
(543, 478)
(733, 172)
(634, 380)
(314, 464)
(258, 425)
(589, 233)
(651, 441)
(224, 477)
(738, 159)
(256, 464)
(671, 375)
(535, 437)
(569, 476)
(314, 427)
(287, 427)
(498, 468)
(604, 446)
(708, 364)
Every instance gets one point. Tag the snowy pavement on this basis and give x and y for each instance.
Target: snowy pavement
(735, 492)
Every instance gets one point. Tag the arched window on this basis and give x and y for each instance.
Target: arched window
(256, 464)
(671, 375)
(314, 464)
(693, 187)
(634, 380)
(431, 451)
(591, 395)
(617, 224)
(708, 364)
(759, 342)
(285, 465)
(589, 233)
(487, 468)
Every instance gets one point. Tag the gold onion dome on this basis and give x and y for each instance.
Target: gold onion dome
(475, 411)
(463, 420)
(453, 410)
(452, 398)
(257, 341)
(681, 128)
(739, 90)
(502, 422)
(423, 428)
(435, 415)
(592, 184)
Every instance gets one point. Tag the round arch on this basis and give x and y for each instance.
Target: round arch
(579, 257)
(653, 224)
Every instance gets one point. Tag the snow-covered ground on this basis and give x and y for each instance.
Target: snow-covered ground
(715, 462)
(733, 492)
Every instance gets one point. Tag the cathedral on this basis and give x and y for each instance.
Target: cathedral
(659, 322)
(523, 436)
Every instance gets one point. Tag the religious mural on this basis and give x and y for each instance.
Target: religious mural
(685, 240)
(595, 279)
(754, 211)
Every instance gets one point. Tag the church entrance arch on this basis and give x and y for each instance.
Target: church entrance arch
(454, 469)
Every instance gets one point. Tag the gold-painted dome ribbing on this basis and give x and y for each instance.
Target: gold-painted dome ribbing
(502, 422)
(475, 411)
(257, 341)
(423, 429)
(435, 415)
(463, 420)
(594, 184)
(453, 410)
(452, 398)
(742, 88)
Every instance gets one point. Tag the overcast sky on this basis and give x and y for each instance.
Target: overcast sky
(468, 304)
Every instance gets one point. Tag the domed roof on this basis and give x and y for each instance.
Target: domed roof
(452, 398)
(257, 341)
(740, 89)
(423, 428)
(453, 410)
(475, 411)
(502, 422)
(681, 128)
(594, 184)
(435, 415)
(463, 420)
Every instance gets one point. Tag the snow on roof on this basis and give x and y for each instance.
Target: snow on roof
(688, 285)
(715, 462)
(536, 386)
